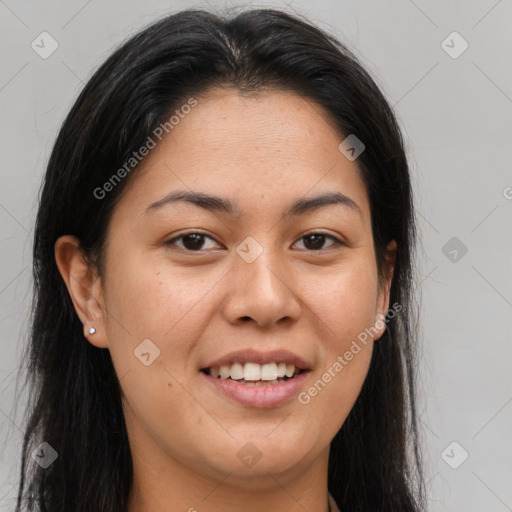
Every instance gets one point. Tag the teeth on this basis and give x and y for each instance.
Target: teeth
(254, 371)
(269, 371)
(290, 370)
(237, 371)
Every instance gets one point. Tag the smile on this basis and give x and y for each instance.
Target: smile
(255, 385)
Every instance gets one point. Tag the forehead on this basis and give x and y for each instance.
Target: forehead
(259, 150)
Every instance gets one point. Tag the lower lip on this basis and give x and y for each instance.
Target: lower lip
(263, 395)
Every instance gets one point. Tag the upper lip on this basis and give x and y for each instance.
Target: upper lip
(255, 356)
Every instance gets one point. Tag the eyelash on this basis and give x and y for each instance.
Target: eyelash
(172, 241)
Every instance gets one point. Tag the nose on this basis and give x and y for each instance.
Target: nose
(264, 291)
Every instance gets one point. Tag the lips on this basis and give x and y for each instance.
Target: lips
(257, 394)
(257, 379)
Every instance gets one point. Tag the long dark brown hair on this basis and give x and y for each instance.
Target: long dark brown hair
(75, 400)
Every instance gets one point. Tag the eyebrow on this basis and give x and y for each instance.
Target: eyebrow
(223, 205)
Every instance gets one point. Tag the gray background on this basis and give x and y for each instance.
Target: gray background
(455, 115)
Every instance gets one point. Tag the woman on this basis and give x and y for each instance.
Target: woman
(222, 264)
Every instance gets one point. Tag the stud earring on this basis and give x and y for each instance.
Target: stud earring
(92, 330)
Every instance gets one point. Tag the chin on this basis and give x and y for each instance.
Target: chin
(263, 475)
(253, 463)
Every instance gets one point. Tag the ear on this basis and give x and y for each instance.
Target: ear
(384, 290)
(84, 287)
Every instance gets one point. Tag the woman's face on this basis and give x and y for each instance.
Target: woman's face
(249, 287)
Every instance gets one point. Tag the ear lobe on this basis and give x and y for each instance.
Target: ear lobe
(84, 287)
(385, 289)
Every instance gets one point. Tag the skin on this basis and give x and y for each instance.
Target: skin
(263, 152)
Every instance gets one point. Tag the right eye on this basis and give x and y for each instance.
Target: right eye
(192, 241)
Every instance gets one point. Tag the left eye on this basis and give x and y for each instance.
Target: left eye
(317, 240)
(195, 241)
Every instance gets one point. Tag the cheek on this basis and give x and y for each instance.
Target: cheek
(166, 306)
(156, 300)
(344, 306)
(331, 396)
(344, 313)
(344, 302)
